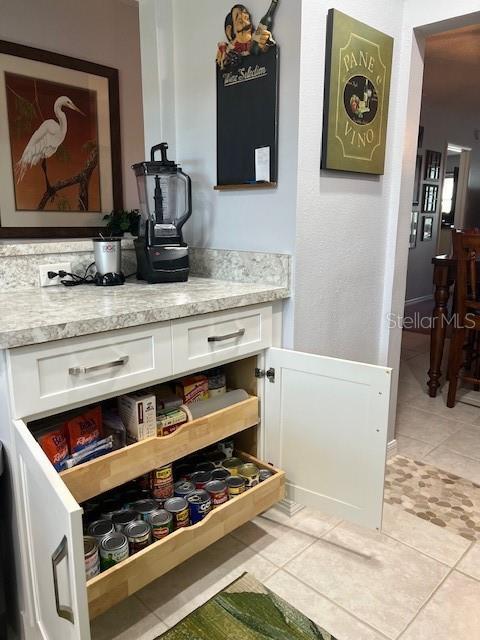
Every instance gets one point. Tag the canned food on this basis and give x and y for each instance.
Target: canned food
(226, 447)
(251, 474)
(131, 496)
(109, 507)
(144, 508)
(220, 474)
(139, 536)
(235, 485)
(161, 522)
(178, 507)
(183, 488)
(205, 466)
(183, 471)
(101, 528)
(233, 465)
(92, 559)
(218, 492)
(144, 481)
(113, 549)
(199, 505)
(162, 482)
(264, 474)
(122, 519)
(200, 478)
(216, 458)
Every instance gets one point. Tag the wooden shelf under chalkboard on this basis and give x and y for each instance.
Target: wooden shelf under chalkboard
(253, 185)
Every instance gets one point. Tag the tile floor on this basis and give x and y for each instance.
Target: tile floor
(412, 581)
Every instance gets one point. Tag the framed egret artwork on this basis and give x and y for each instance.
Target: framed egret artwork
(60, 153)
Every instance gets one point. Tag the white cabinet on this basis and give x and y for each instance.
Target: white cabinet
(324, 425)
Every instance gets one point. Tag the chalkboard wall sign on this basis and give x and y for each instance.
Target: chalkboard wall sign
(247, 102)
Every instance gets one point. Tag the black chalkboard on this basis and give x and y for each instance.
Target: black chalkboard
(247, 117)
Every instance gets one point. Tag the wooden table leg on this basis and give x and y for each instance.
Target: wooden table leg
(439, 325)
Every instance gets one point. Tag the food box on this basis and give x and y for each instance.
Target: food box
(193, 388)
(138, 412)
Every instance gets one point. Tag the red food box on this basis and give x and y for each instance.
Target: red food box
(193, 388)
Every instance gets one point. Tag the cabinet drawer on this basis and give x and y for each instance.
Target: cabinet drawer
(57, 374)
(215, 337)
(133, 574)
(99, 475)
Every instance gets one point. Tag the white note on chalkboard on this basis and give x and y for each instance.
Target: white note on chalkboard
(262, 164)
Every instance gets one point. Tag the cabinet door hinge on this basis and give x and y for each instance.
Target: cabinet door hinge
(269, 374)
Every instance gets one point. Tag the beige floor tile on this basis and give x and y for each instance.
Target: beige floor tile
(470, 564)
(376, 578)
(326, 614)
(452, 614)
(460, 412)
(424, 426)
(419, 342)
(128, 620)
(179, 592)
(436, 542)
(407, 391)
(275, 542)
(309, 521)
(412, 448)
(407, 354)
(466, 442)
(446, 459)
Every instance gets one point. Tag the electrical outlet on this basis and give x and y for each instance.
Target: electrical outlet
(43, 270)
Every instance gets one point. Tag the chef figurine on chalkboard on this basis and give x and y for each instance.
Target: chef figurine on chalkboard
(242, 38)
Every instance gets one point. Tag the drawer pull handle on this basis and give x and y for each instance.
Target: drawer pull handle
(58, 555)
(229, 336)
(77, 371)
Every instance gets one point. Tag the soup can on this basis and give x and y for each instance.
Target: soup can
(250, 473)
(161, 522)
(92, 559)
(113, 549)
(101, 528)
(218, 492)
(139, 536)
(199, 505)
(220, 474)
(144, 508)
(226, 447)
(233, 465)
(109, 507)
(235, 485)
(162, 482)
(206, 465)
(178, 507)
(200, 478)
(264, 474)
(123, 518)
(183, 488)
(216, 458)
(183, 471)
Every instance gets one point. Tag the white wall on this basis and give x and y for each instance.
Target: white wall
(260, 220)
(105, 32)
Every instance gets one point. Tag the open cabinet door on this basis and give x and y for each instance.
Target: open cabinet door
(326, 423)
(52, 524)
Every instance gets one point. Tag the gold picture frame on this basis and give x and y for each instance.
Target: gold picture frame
(358, 65)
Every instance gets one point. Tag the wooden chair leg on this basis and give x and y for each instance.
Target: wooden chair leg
(455, 363)
(470, 347)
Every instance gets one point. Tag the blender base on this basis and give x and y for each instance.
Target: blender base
(160, 264)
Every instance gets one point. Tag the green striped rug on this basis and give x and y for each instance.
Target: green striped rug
(246, 610)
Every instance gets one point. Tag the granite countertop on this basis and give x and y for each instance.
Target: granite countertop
(32, 316)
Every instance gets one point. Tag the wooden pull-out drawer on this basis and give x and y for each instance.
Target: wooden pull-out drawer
(133, 574)
(205, 340)
(99, 475)
(58, 374)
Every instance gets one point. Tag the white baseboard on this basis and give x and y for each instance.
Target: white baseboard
(392, 449)
(288, 507)
(408, 303)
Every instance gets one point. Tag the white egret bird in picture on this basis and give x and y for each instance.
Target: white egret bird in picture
(54, 145)
(46, 140)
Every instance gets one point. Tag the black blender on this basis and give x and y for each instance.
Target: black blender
(165, 194)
